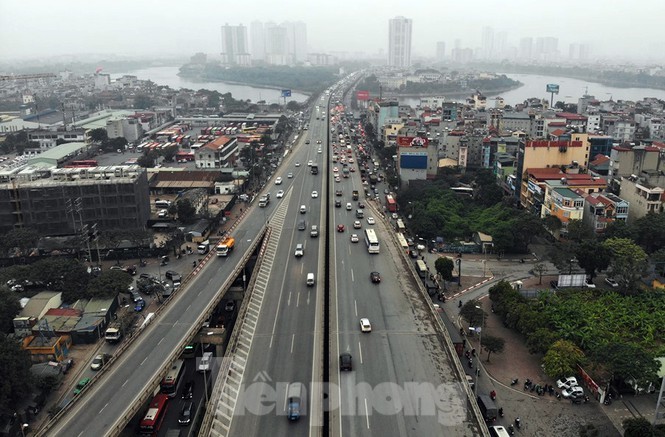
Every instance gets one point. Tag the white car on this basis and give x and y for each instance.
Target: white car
(320, 151)
(568, 382)
(315, 194)
(300, 250)
(337, 179)
(349, 207)
(278, 181)
(370, 220)
(572, 392)
(309, 163)
(354, 238)
(357, 224)
(365, 326)
(290, 175)
(611, 282)
(279, 194)
(297, 164)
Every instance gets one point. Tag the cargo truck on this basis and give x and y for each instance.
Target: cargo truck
(203, 247)
(113, 333)
(487, 407)
(226, 246)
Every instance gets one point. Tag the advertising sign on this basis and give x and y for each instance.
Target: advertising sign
(412, 142)
(286, 93)
(413, 160)
(552, 88)
(362, 95)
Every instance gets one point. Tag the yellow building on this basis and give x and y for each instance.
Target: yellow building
(44, 349)
(541, 153)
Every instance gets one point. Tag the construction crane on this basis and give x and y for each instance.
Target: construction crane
(27, 76)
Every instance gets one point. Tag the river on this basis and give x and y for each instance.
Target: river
(569, 90)
(169, 76)
(534, 86)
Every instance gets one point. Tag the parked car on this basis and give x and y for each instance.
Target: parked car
(99, 361)
(575, 391)
(567, 382)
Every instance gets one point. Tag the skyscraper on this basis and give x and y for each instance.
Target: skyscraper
(399, 42)
(257, 41)
(440, 51)
(235, 50)
(526, 48)
(487, 48)
(279, 44)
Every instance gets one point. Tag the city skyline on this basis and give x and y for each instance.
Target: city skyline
(585, 29)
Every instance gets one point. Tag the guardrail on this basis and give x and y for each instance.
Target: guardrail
(131, 338)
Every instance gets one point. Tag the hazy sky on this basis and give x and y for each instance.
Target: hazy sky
(39, 28)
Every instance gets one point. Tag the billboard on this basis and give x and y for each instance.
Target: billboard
(412, 142)
(286, 93)
(362, 95)
(552, 88)
(413, 160)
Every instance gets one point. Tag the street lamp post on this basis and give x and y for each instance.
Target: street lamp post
(23, 427)
(459, 272)
(480, 343)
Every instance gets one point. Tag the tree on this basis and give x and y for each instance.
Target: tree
(143, 101)
(139, 238)
(9, 308)
(492, 344)
(540, 268)
(589, 430)
(16, 380)
(186, 211)
(579, 231)
(651, 231)
(22, 240)
(62, 274)
(117, 143)
(148, 159)
(619, 229)
(108, 284)
(658, 260)
(562, 359)
(628, 361)
(552, 223)
(592, 257)
(540, 340)
(472, 312)
(98, 135)
(641, 427)
(628, 262)
(292, 105)
(444, 266)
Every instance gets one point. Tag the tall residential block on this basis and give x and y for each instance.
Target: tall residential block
(235, 45)
(399, 42)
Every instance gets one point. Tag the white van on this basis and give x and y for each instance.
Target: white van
(206, 362)
(303, 209)
(310, 279)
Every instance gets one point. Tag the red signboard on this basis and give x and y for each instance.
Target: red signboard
(362, 95)
(412, 142)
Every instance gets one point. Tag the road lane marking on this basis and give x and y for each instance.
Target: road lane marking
(143, 361)
(355, 307)
(366, 413)
(360, 352)
(298, 300)
(160, 341)
(293, 339)
(352, 280)
(125, 383)
(100, 411)
(288, 299)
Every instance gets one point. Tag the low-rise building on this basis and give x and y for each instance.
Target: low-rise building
(603, 209)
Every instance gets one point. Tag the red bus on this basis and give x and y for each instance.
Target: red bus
(186, 156)
(391, 205)
(153, 419)
(84, 163)
(169, 384)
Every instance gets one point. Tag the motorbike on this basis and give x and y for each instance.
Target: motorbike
(493, 395)
(518, 423)
(501, 412)
(470, 363)
(511, 430)
(459, 304)
(514, 381)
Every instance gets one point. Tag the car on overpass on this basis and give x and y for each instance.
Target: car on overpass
(345, 362)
